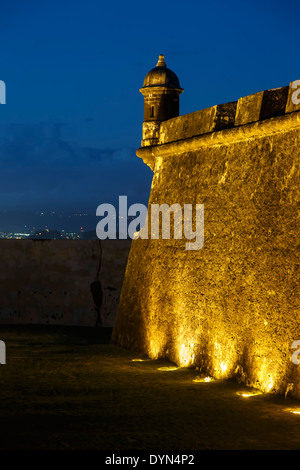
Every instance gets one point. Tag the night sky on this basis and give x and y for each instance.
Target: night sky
(73, 69)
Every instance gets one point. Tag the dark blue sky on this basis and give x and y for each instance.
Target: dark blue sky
(73, 70)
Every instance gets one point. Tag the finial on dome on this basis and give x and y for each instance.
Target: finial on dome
(161, 61)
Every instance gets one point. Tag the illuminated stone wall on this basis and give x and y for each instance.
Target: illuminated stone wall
(232, 307)
(48, 282)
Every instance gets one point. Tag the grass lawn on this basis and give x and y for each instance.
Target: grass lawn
(69, 388)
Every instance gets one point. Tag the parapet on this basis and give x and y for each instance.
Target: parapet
(255, 108)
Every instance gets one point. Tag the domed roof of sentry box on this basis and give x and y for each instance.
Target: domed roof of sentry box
(161, 76)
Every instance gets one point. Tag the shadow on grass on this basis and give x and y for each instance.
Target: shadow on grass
(62, 333)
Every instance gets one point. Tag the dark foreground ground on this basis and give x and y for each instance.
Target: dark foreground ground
(68, 388)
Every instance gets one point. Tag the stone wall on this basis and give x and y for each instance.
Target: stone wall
(49, 281)
(231, 308)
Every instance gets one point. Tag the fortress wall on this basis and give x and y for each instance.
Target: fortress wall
(231, 308)
(49, 281)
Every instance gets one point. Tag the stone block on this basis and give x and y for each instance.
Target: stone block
(150, 133)
(248, 109)
(274, 102)
(200, 122)
(262, 105)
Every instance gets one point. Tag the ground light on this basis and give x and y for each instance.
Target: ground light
(140, 359)
(249, 394)
(295, 411)
(203, 379)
